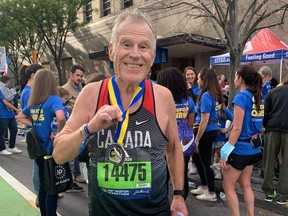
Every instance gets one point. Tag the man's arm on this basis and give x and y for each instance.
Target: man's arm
(174, 154)
(68, 141)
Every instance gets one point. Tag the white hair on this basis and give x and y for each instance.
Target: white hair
(135, 16)
(265, 71)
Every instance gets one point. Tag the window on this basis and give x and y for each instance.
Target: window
(88, 12)
(106, 7)
(128, 3)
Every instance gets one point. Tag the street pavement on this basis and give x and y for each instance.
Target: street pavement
(76, 204)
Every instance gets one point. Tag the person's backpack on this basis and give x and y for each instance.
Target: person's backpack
(186, 136)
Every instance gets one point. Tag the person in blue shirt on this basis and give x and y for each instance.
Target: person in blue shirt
(64, 95)
(225, 115)
(266, 73)
(240, 152)
(190, 75)
(27, 73)
(45, 95)
(173, 79)
(7, 120)
(207, 129)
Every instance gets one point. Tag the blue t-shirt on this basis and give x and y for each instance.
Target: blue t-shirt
(196, 89)
(222, 121)
(25, 96)
(66, 112)
(4, 111)
(43, 125)
(266, 88)
(208, 104)
(251, 125)
(181, 111)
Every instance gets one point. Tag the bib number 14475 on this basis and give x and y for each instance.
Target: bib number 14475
(128, 175)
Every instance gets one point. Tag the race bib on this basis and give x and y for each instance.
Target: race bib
(130, 181)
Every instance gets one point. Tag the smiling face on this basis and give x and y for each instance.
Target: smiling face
(190, 76)
(133, 54)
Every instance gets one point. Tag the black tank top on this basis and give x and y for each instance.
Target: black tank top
(138, 187)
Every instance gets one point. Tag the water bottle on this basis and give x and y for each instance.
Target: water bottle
(54, 127)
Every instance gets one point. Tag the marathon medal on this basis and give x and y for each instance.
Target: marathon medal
(115, 153)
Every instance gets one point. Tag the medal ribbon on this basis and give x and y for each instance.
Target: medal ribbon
(115, 99)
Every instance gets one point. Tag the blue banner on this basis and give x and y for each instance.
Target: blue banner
(264, 56)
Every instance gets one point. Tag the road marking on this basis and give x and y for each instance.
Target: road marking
(20, 188)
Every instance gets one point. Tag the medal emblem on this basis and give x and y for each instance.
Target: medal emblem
(115, 154)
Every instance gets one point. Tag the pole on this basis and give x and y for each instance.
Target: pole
(281, 67)
(34, 54)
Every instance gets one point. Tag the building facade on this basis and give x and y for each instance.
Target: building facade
(181, 40)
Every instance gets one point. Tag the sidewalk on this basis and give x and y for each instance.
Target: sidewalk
(12, 202)
(256, 183)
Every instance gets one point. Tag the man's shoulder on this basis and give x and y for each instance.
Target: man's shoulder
(65, 86)
(161, 90)
(92, 88)
(162, 95)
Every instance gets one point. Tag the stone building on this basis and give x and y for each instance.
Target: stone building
(181, 40)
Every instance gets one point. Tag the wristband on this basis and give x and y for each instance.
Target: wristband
(226, 151)
(85, 133)
(178, 192)
(82, 133)
(86, 130)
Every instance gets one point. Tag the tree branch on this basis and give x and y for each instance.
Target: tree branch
(252, 28)
(246, 16)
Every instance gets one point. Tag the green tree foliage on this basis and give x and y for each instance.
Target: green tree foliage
(19, 41)
(47, 20)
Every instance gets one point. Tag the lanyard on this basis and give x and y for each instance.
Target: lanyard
(115, 99)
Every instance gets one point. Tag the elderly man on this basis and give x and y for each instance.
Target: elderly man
(130, 124)
(266, 73)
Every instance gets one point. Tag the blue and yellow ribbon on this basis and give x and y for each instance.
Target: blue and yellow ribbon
(115, 99)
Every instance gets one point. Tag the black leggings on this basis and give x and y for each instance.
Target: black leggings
(203, 159)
